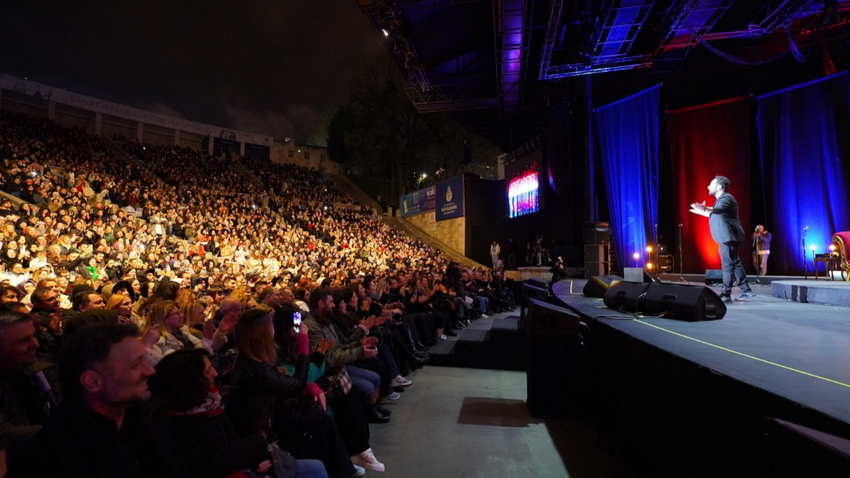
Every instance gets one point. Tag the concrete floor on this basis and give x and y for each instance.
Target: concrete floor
(457, 422)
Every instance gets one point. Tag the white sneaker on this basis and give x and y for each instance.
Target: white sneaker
(358, 471)
(443, 337)
(367, 460)
(485, 316)
(393, 396)
(400, 381)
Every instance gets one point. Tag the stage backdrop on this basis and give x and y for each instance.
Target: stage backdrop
(804, 133)
(706, 141)
(628, 134)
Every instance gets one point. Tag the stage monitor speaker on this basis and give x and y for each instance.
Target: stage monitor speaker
(537, 282)
(683, 302)
(531, 292)
(624, 296)
(556, 368)
(713, 276)
(597, 285)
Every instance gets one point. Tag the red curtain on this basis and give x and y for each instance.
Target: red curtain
(706, 141)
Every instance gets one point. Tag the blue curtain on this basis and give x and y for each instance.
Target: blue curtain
(628, 137)
(804, 133)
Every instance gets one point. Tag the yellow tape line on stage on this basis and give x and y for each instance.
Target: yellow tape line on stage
(744, 355)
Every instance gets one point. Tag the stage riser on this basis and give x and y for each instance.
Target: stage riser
(672, 417)
(502, 350)
(814, 292)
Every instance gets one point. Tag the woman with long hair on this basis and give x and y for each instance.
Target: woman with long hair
(123, 304)
(350, 411)
(165, 333)
(193, 317)
(202, 440)
(162, 290)
(257, 384)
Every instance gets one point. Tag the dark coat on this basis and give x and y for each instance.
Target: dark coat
(205, 446)
(254, 389)
(724, 223)
(82, 443)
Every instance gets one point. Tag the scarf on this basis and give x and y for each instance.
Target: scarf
(210, 408)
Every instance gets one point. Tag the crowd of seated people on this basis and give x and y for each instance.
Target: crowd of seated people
(292, 183)
(151, 328)
(179, 166)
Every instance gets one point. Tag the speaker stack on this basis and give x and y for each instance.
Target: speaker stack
(683, 302)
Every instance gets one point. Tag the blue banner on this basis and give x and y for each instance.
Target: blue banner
(418, 202)
(450, 199)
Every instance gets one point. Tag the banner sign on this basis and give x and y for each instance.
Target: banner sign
(418, 202)
(59, 95)
(450, 199)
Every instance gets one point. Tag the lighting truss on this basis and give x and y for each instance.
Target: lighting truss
(512, 25)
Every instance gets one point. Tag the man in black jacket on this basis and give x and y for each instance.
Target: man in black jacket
(104, 373)
(22, 412)
(727, 232)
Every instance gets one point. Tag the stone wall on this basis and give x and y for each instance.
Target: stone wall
(451, 232)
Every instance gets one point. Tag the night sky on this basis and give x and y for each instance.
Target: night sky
(272, 67)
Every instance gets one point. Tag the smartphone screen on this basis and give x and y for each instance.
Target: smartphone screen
(296, 320)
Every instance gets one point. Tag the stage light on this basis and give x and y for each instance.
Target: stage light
(636, 256)
(813, 248)
(649, 265)
(832, 247)
(649, 249)
(386, 33)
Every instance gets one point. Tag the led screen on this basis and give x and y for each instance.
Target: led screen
(524, 194)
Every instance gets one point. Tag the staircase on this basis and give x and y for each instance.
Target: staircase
(414, 231)
(243, 170)
(347, 185)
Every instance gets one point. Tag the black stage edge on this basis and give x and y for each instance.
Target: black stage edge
(703, 398)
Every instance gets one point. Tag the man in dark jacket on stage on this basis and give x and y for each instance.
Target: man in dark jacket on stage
(727, 232)
(761, 249)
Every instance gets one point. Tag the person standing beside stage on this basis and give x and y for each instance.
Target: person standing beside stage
(727, 232)
(761, 249)
(495, 250)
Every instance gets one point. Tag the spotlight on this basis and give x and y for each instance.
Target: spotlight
(649, 249)
(386, 33)
(649, 265)
(813, 248)
(832, 248)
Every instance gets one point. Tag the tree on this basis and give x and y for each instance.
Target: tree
(381, 131)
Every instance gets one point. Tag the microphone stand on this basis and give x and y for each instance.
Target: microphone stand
(657, 265)
(805, 264)
(681, 259)
(758, 258)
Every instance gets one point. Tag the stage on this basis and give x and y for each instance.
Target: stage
(698, 391)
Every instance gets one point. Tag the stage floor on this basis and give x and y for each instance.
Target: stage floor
(799, 351)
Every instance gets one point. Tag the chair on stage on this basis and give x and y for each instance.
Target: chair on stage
(842, 242)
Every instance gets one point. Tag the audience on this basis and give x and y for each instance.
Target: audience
(191, 265)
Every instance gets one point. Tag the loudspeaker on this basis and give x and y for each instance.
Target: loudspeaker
(597, 285)
(596, 234)
(684, 302)
(713, 276)
(625, 296)
(557, 363)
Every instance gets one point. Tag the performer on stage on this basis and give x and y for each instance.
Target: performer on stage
(727, 232)
(761, 249)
